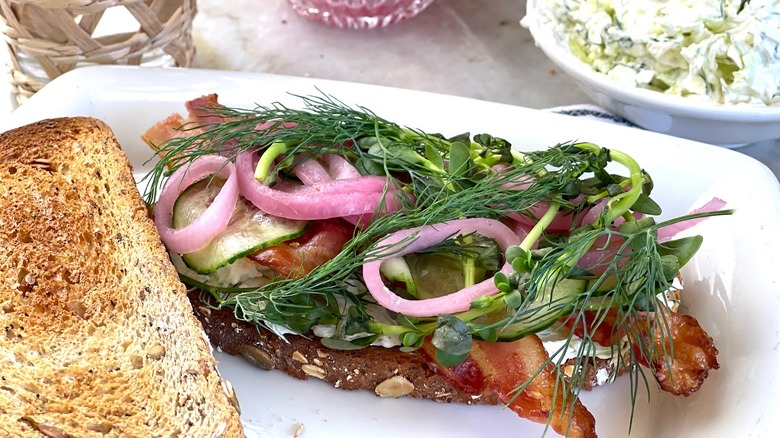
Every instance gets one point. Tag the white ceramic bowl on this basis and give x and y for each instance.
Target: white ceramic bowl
(719, 124)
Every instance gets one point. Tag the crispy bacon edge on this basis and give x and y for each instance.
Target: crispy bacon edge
(503, 367)
(683, 353)
(691, 353)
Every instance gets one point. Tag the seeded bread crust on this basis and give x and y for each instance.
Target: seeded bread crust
(387, 372)
(98, 338)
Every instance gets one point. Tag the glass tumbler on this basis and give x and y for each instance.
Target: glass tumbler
(359, 14)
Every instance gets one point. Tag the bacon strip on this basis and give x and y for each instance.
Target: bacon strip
(507, 365)
(602, 333)
(204, 109)
(201, 112)
(501, 367)
(693, 352)
(165, 130)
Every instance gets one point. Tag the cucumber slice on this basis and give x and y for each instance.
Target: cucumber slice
(427, 275)
(548, 306)
(248, 231)
(397, 270)
(436, 275)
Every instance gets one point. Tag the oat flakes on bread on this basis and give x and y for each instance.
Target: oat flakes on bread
(98, 336)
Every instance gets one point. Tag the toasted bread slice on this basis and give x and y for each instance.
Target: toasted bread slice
(388, 372)
(98, 337)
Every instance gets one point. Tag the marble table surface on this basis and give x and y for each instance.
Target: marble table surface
(468, 48)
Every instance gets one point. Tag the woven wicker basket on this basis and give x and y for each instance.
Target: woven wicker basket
(47, 38)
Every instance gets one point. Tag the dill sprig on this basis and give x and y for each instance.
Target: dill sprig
(324, 125)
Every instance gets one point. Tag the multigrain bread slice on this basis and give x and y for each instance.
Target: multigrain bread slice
(97, 336)
(388, 372)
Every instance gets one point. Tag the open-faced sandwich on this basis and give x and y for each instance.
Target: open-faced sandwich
(331, 243)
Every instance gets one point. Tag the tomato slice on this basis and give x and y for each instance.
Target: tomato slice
(604, 334)
(322, 241)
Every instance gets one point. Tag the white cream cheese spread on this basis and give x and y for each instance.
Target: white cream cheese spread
(725, 51)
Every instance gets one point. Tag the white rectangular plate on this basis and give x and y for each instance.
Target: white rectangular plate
(731, 285)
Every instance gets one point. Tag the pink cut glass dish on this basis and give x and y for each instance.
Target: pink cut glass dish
(359, 14)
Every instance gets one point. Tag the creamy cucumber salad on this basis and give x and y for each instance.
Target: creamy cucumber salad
(725, 51)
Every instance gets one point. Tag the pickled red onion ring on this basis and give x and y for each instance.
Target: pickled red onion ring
(425, 237)
(604, 251)
(278, 123)
(340, 168)
(310, 171)
(561, 223)
(325, 200)
(592, 214)
(214, 219)
(668, 232)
